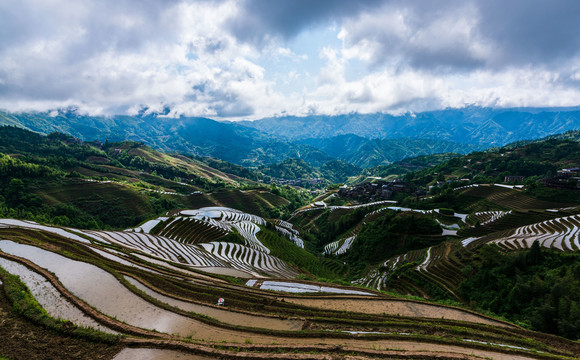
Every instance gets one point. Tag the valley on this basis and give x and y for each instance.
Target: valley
(289, 179)
(129, 249)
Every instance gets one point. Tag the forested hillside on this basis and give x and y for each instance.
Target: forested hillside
(60, 180)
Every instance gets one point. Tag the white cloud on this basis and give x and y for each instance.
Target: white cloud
(121, 56)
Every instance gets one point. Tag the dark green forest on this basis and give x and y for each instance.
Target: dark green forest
(538, 288)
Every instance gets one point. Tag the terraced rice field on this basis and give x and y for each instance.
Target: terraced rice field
(120, 302)
(224, 215)
(436, 266)
(510, 220)
(190, 230)
(442, 268)
(8, 223)
(218, 222)
(251, 260)
(378, 276)
(295, 287)
(487, 217)
(462, 217)
(214, 254)
(149, 225)
(207, 225)
(158, 246)
(339, 247)
(332, 208)
(291, 236)
(287, 229)
(220, 314)
(559, 233)
(438, 269)
(395, 307)
(173, 309)
(49, 298)
(508, 198)
(248, 230)
(157, 354)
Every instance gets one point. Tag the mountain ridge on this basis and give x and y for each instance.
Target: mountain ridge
(465, 125)
(363, 140)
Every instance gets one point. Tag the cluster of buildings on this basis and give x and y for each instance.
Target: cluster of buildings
(380, 190)
(565, 178)
(514, 178)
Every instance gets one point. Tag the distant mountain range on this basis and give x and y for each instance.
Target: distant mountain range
(199, 136)
(367, 153)
(363, 140)
(486, 127)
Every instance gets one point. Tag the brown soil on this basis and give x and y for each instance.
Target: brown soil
(395, 307)
(157, 354)
(22, 339)
(316, 348)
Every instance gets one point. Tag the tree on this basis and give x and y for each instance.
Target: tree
(14, 192)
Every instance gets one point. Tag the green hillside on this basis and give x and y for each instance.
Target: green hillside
(533, 161)
(450, 245)
(368, 153)
(194, 136)
(58, 179)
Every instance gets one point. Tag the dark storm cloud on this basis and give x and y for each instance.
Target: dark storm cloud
(532, 31)
(421, 34)
(98, 23)
(15, 26)
(495, 33)
(261, 20)
(121, 26)
(490, 34)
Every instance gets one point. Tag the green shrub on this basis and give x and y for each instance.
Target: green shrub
(23, 303)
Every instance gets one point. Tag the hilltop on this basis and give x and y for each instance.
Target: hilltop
(196, 136)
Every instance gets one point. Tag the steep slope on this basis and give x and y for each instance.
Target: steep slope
(165, 275)
(533, 160)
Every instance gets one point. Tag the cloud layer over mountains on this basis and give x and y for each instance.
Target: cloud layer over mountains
(251, 59)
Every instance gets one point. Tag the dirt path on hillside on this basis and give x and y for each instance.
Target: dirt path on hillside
(394, 307)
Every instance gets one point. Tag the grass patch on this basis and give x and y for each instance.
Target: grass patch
(24, 304)
(292, 254)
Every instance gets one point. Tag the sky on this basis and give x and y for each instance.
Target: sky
(251, 59)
